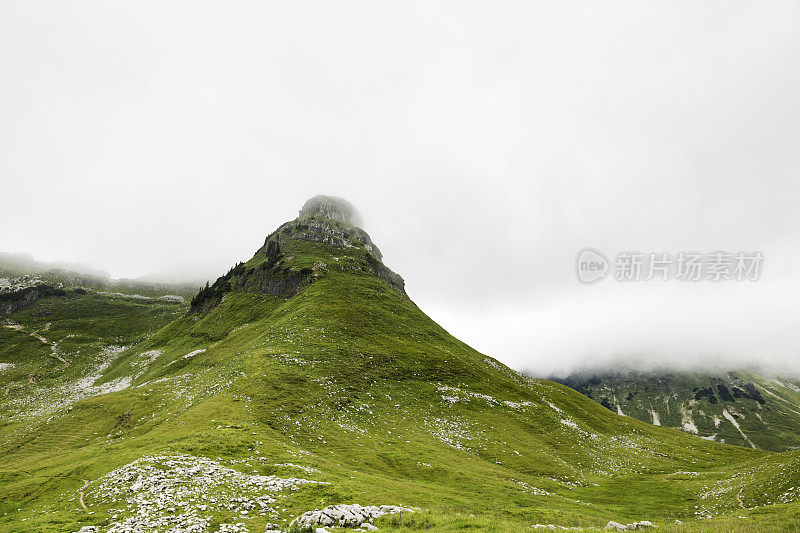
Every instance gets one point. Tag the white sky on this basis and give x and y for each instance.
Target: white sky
(485, 143)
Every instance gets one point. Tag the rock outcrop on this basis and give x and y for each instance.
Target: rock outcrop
(328, 231)
(332, 221)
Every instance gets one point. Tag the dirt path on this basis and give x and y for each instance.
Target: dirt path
(53, 345)
(55, 354)
(739, 498)
(80, 492)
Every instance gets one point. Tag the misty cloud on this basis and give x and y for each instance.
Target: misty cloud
(483, 144)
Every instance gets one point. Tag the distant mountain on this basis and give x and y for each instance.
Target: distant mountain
(738, 407)
(23, 280)
(196, 277)
(24, 263)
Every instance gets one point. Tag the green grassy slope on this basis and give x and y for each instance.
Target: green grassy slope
(342, 381)
(741, 407)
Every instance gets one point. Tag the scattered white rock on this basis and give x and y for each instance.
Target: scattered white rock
(233, 528)
(452, 431)
(181, 493)
(346, 515)
(145, 358)
(517, 405)
(553, 406)
(306, 469)
(616, 526)
(192, 354)
(455, 395)
(46, 400)
(569, 423)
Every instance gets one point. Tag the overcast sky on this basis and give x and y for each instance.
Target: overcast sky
(485, 144)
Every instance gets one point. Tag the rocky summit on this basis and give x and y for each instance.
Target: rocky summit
(304, 390)
(331, 208)
(274, 269)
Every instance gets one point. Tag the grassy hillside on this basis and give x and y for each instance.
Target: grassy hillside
(741, 407)
(306, 377)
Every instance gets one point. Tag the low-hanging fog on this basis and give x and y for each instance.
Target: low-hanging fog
(485, 144)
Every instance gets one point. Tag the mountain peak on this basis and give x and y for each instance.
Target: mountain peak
(323, 240)
(331, 208)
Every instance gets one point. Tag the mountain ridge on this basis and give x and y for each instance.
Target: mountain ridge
(741, 407)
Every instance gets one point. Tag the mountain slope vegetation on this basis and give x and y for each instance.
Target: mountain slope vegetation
(306, 377)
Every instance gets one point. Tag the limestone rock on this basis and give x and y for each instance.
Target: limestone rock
(345, 515)
(640, 525)
(616, 526)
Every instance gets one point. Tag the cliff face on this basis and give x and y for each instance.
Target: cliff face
(22, 299)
